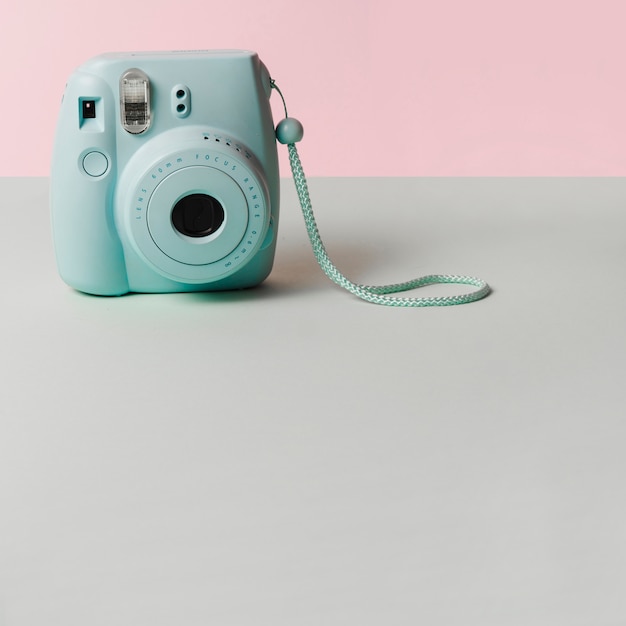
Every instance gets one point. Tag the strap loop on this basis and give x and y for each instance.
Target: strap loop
(375, 294)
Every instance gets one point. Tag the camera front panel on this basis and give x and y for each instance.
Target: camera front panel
(148, 194)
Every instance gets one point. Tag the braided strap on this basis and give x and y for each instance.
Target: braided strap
(376, 294)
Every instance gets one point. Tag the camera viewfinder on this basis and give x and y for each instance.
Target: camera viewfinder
(89, 109)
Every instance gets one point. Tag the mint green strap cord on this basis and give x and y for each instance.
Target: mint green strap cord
(289, 131)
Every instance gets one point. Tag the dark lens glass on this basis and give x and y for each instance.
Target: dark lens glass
(197, 215)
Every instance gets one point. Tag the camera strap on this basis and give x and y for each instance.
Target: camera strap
(289, 131)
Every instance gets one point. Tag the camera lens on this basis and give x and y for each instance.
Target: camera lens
(197, 215)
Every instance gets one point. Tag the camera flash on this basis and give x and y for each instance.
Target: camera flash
(135, 101)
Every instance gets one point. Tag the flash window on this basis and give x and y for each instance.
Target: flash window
(135, 101)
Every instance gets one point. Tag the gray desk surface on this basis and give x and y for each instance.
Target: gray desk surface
(291, 455)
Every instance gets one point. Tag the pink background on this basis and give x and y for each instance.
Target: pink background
(385, 87)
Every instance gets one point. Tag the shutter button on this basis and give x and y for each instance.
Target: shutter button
(95, 164)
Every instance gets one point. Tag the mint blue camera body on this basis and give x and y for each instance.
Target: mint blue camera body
(165, 174)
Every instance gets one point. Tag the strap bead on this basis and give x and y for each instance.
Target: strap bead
(289, 130)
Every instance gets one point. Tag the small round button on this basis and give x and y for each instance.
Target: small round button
(95, 164)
